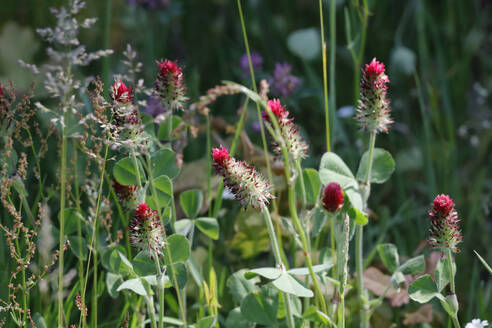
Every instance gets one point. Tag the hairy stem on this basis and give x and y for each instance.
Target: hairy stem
(278, 259)
(182, 308)
(359, 238)
(325, 77)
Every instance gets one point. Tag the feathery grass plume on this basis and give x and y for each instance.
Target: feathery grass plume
(247, 185)
(444, 230)
(170, 86)
(332, 197)
(146, 231)
(289, 132)
(373, 112)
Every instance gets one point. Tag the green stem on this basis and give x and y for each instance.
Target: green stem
(333, 49)
(343, 271)
(325, 77)
(166, 249)
(456, 323)
(359, 238)
(94, 281)
(301, 181)
(300, 230)
(94, 231)
(161, 291)
(150, 304)
(253, 82)
(63, 182)
(278, 259)
(358, 60)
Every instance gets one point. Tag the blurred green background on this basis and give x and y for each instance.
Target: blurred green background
(438, 55)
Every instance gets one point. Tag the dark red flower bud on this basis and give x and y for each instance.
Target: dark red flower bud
(333, 197)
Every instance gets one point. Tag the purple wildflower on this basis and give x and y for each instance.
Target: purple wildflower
(256, 61)
(154, 106)
(283, 83)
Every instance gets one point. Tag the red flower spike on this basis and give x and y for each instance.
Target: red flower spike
(121, 93)
(146, 231)
(444, 231)
(247, 185)
(220, 155)
(289, 132)
(373, 112)
(374, 68)
(333, 197)
(169, 85)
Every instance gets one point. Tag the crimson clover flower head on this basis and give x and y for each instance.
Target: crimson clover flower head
(169, 85)
(121, 93)
(247, 185)
(146, 231)
(444, 231)
(373, 112)
(128, 124)
(332, 197)
(220, 156)
(289, 132)
(126, 194)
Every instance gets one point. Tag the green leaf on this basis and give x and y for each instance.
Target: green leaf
(125, 172)
(119, 263)
(389, 256)
(235, 319)
(397, 279)
(164, 131)
(143, 264)
(164, 190)
(305, 43)
(179, 247)
(181, 274)
(316, 268)
(163, 162)
(312, 185)
(261, 307)
(333, 169)
(319, 219)
(288, 284)
(183, 226)
(383, 166)
(78, 245)
(112, 281)
(72, 220)
(207, 322)
(327, 256)
(314, 315)
(208, 226)
(413, 266)
(136, 285)
(269, 273)
(442, 275)
(240, 287)
(423, 289)
(191, 202)
(357, 216)
(39, 321)
(485, 264)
